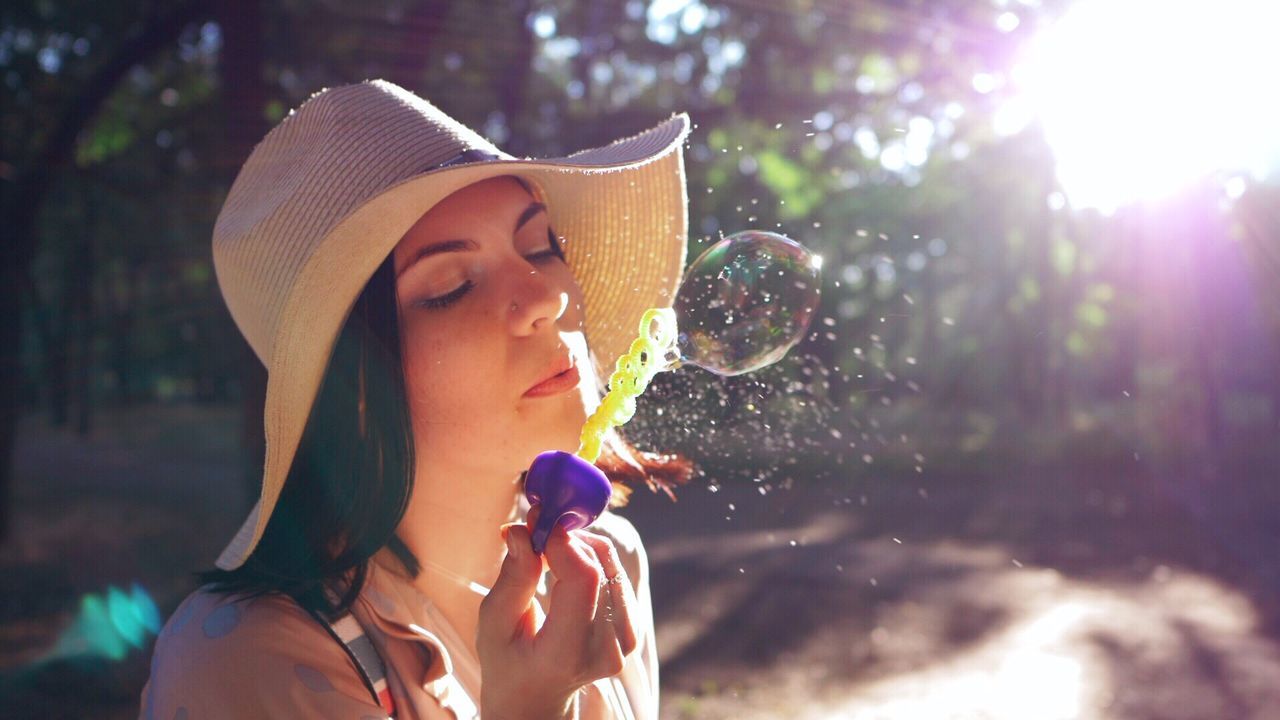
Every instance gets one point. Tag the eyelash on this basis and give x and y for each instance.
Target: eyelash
(453, 296)
(447, 299)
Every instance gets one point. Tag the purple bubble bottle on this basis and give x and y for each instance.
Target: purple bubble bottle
(571, 491)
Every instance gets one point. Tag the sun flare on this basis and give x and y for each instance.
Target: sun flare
(1139, 98)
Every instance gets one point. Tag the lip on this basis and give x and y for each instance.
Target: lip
(561, 376)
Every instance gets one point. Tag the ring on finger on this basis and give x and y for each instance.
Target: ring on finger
(606, 595)
(615, 580)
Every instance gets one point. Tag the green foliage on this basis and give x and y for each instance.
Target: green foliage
(796, 188)
(847, 128)
(109, 138)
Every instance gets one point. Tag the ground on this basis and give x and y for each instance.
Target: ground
(960, 592)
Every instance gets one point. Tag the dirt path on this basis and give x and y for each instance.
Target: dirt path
(941, 597)
(895, 597)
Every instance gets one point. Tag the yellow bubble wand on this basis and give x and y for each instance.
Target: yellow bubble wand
(650, 353)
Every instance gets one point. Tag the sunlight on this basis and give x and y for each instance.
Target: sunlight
(1033, 671)
(1139, 98)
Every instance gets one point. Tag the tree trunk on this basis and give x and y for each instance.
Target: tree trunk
(82, 315)
(57, 365)
(513, 83)
(1126, 235)
(1041, 312)
(121, 302)
(929, 318)
(1209, 328)
(10, 378)
(1016, 332)
(1259, 213)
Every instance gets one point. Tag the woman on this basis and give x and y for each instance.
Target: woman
(432, 313)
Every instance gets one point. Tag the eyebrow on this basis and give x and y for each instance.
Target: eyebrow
(533, 209)
(461, 245)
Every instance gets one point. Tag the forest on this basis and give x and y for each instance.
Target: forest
(1022, 465)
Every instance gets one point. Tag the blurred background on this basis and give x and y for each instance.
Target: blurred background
(1025, 464)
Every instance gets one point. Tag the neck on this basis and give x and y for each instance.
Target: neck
(452, 529)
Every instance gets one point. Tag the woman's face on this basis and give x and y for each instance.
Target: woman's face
(482, 321)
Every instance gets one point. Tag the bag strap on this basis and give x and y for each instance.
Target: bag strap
(347, 631)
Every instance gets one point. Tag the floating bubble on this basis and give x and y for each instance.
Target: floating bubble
(746, 301)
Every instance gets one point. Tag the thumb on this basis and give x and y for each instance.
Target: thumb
(508, 602)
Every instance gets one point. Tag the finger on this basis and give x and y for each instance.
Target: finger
(607, 659)
(607, 655)
(506, 611)
(619, 594)
(573, 597)
(531, 521)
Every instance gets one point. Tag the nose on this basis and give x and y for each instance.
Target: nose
(536, 300)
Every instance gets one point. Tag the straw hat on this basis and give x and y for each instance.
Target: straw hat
(325, 197)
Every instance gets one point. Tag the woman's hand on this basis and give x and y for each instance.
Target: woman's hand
(530, 668)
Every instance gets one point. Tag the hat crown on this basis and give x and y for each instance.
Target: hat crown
(340, 148)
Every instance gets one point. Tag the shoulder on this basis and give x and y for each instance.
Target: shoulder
(627, 540)
(228, 656)
(214, 625)
(619, 529)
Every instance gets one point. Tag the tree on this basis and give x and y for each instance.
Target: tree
(42, 151)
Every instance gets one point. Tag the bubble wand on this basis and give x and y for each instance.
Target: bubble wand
(741, 306)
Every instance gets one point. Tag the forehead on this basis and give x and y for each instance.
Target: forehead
(489, 195)
(491, 200)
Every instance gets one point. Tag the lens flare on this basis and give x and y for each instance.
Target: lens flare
(1139, 98)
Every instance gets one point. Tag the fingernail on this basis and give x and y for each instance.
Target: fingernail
(513, 547)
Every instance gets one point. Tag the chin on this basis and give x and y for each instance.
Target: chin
(567, 442)
(559, 428)
(564, 439)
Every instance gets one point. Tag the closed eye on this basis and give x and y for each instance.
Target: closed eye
(448, 298)
(545, 254)
(555, 251)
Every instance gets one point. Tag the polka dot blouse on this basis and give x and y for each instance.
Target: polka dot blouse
(268, 658)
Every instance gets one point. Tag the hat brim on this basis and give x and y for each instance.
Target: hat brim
(623, 209)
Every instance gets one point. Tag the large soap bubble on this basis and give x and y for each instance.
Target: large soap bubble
(746, 301)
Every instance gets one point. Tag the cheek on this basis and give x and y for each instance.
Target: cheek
(434, 373)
